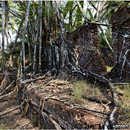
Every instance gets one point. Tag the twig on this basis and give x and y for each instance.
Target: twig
(42, 84)
(111, 118)
(92, 5)
(9, 86)
(124, 61)
(5, 113)
(6, 96)
(38, 78)
(121, 83)
(57, 126)
(120, 57)
(8, 73)
(98, 23)
(63, 123)
(14, 13)
(75, 106)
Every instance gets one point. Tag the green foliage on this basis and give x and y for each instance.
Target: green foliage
(93, 91)
(67, 8)
(78, 90)
(111, 7)
(70, 11)
(126, 97)
(3, 127)
(79, 15)
(124, 89)
(90, 15)
(125, 101)
(103, 42)
(81, 89)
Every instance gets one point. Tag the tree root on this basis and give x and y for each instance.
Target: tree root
(86, 73)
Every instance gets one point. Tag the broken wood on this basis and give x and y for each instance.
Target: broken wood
(7, 88)
(6, 96)
(38, 78)
(111, 121)
(8, 111)
(86, 45)
(46, 102)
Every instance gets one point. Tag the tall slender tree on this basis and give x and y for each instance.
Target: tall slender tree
(62, 29)
(25, 30)
(6, 22)
(40, 35)
(3, 35)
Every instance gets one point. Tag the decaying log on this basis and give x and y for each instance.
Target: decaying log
(68, 117)
(45, 103)
(86, 43)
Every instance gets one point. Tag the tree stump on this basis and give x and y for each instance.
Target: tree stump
(86, 43)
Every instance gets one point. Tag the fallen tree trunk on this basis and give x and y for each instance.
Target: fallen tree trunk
(51, 105)
(45, 102)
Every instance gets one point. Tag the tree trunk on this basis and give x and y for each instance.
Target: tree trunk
(63, 51)
(6, 22)
(86, 45)
(25, 29)
(40, 36)
(3, 35)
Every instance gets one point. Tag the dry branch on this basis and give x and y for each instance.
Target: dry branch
(38, 78)
(7, 88)
(57, 126)
(76, 106)
(8, 111)
(6, 96)
(104, 80)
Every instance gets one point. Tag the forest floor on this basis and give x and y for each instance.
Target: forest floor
(62, 103)
(11, 116)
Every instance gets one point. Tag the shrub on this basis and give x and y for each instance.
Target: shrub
(78, 90)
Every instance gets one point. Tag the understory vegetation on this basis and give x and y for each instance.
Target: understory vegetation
(65, 64)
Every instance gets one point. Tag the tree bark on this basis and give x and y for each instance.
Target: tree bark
(24, 33)
(3, 35)
(6, 22)
(40, 36)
